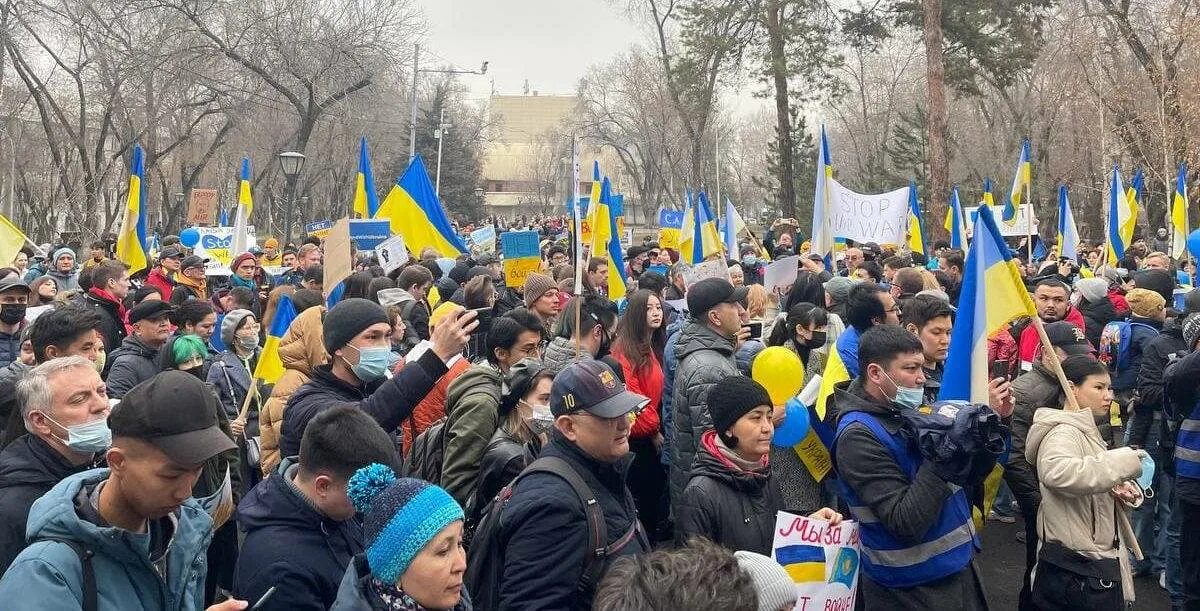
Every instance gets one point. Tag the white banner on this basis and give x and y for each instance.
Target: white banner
(216, 243)
(1016, 229)
(881, 218)
(822, 560)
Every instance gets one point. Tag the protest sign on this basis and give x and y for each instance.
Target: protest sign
(215, 244)
(391, 253)
(521, 256)
(708, 269)
(338, 263)
(1015, 229)
(484, 239)
(822, 560)
(202, 207)
(881, 218)
(369, 233)
(318, 229)
(781, 273)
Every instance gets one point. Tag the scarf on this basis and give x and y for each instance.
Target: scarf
(121, 313)
(236, 280)
(390, 597)
(737, 460)
(200, 286)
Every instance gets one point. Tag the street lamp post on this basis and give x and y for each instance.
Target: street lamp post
(178, 206)
(292, 163)
(479, 199)
(439, 133)
(417, 70)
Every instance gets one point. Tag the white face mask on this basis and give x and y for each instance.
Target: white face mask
(541, 419)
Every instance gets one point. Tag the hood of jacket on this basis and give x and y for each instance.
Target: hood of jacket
(29, 460)
(302, 348)
(132, 345)
(561, 352)
(696, 336)
(1044, 421)
(481, 377)
(711, 463)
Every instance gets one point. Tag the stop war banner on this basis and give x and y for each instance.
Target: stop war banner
(823, 560)
(881, 218)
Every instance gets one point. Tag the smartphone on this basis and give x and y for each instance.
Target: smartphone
(999, 369)
(755, 329)
(263, 600)
(479, 312)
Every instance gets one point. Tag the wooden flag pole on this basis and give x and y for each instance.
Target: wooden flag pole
(1029, 221)
(1055, 365)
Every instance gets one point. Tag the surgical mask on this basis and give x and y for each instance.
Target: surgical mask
(1146, 481)
(372, 362)
(87, 438)
(247, 342)
(909, 398)
(541, 420)
(12, 313)
(750, 260)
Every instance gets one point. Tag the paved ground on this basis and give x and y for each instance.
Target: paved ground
(1003, 565)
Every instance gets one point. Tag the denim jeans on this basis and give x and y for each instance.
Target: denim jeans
(1150, 520)
(1174, 530)
(1003, 505)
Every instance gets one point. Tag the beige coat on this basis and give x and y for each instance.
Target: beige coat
(301, 349)
(1076, 473)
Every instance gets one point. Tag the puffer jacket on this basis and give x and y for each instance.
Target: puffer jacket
(1140, 335)
(1151, 381)
(300, 349)
(433, 407)
(705, 358)
(65, 281)
(10, 347)
(1077, 472)
(8, 399)
(1096, 315)
(352, 593)
(561, 352)
(133, 363)
(727, 504)
(472, 417)
(48, 574)
(503, 460)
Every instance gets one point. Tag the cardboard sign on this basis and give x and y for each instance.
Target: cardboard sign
(391, 254)
(881, 218)
(708, 269)
(782, 272)
(338, 262)
(216, 243)
(517, 270)
(318, 229)
(202, 207)
(484, 239)
(369, 233)
(822, 560)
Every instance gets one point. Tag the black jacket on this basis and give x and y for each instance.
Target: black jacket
(389, 402)
(1150, 380)
(112, 328)
(728, 505)
(29, 468)
(1095, 316)
(131, 364)
(543, 530)
(1033, 390)
(291, 546)
(503, 459)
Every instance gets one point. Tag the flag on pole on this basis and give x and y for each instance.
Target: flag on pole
(366, 199)
(704, 240)
(1134, 197)
(955, 224)
(1119, 214)
(687, 229)
(415, 212)
(916, 226)
(822, 233)
(131, 241)
(1068, 233)
(606, 244)
(245, 208)
(270, 365)
(1179, 214)
(987, 192)
(732, 226)
(223, 217)
(1022, 180)
(11, 239)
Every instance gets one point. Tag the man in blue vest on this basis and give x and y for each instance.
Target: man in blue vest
(1183, 407)
(918, 541)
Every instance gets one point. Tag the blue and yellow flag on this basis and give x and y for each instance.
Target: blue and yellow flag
(1022, 181)
(606, 243)
(1179, 214)
(804, 563)
(916, 226)
(1134, 198)
(988, 198)
(822, 231)
(955, 223)
(131, 241)
(1068, 233)
(270, 366)
(416, 213)
(704, 240)
(12, 239)
(245, 208)
(366, 200)
(1119, 215)
(845, 567)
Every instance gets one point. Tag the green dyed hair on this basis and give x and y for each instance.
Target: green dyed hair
(187, 347)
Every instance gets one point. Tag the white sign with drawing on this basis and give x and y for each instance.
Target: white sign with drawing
(392, 253)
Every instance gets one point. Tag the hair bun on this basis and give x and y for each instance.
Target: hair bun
(367, 483)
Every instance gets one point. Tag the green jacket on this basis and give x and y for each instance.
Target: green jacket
(472, 417)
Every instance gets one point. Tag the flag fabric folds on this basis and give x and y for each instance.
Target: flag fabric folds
(1179, 214)
(731, 227)
(270, 366)
(916, 226)
(245, 208)
(131, 240)
(1119, 214)
(1134, 198)
(606, 243)
(1068, 233)
(223, 217)
(988, 198)
(955, 223)
(1022, 180)
(366, 200)
(822, 232)
(11, 239)
(992, 295)
(703, 240)
(415, 212)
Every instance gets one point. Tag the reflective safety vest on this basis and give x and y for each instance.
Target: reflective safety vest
(1187, 446)
(944, 550)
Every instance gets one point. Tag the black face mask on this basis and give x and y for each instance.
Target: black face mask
(12, 313)
(818, 339)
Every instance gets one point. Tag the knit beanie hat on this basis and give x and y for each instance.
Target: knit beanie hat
(536, 285)
(349, 318)
(1191, 331)
(772, 583)
(1145, 303)
(401, 516)
(230, 325)
(839, 288)
(237, 262)
(1191, 301)
(1092, 289)
(733, 398)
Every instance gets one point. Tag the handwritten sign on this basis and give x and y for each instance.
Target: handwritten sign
(782, 272)
(484, 239)
(202, 207)
(881, 218)
(391, 253)
(517, 270)
(215, 244)
(823, 560)
(522, 256)
(708, 269)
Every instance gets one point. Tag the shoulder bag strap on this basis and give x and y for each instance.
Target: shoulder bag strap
(597, 530)
(89, 572)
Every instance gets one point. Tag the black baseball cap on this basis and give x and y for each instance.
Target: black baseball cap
(150, 308)
(706, 294)
(592, 387)
(14, 282)
(1068, 338)
(175, 412)
(191, 261)
(170, 252)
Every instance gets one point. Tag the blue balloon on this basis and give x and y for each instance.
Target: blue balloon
(189, 237)
(1193, 243)
(795, 425)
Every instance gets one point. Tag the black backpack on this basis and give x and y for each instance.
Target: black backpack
(424, 461)
(485, 556)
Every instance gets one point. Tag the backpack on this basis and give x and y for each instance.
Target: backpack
(485, 556)
(424, 460)
(1115, 341)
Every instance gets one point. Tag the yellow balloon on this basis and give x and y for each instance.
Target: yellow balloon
(780, 371)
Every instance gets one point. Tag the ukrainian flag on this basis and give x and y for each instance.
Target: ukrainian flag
(270, 366)
(731, 227)
(804, 563)
(1068, 233)
(822, 233)
(11, 239)
(366, 200)
(955, 224)
(1119, 213)
(1022, 180)
(1179, 214)
(245, 208)
(704, 240)
(916, 226)
(606, 243)
(1134, 198)
(415, 213)
(131, 241)
(987, 192)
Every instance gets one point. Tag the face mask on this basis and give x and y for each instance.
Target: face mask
(12, 313)
(908, 398)
(818, 339)
(749, 260)
(101, 357)
(87, 438)
(541, 420)
(372, 362)
(247, 342)
(1146, 481)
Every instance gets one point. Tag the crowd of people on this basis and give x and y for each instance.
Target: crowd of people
(441, 438)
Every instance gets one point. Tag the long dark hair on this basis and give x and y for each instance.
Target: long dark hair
(635, 341)
(357, 285)
(806, 289)
(800, 315)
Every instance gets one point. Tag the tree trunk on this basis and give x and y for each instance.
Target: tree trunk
(783, 126)
(935, 76)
